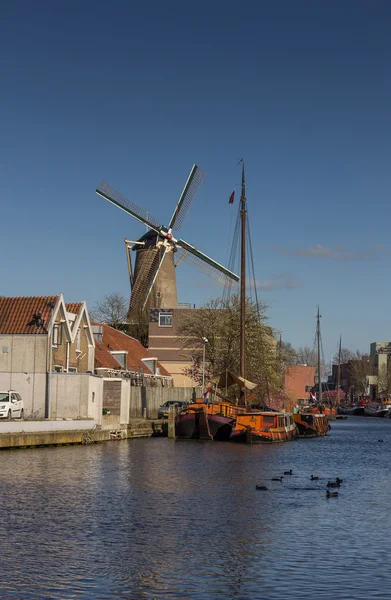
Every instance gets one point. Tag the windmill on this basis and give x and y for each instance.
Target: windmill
(153, 280)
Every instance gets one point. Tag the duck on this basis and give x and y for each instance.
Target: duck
(277, 478)
(331, 494)
(314, 478)
(261, 487)
(333, 484)
(380, 440)
(338, 480)
(288, 472)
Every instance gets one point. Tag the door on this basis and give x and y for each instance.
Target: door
(15, 405)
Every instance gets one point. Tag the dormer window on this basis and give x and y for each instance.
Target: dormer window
(150, 363)
(120, 357)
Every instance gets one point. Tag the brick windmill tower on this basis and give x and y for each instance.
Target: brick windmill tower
(153, 278)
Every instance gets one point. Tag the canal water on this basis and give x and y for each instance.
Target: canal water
(158, 518)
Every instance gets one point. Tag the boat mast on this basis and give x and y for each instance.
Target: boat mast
(339, 371)
(243, 216)
(318, 343)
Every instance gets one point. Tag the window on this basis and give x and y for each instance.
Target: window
(165, 320)
(72, 370)
(58, 368)
(120, 357)
(78, 341)
(57, 335)
(150, 363)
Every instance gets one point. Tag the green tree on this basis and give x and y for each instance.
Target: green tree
(219, 322)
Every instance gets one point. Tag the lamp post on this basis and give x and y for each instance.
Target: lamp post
(350, 393)
(204, 341)
(49, 375)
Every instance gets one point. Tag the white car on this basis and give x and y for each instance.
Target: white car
(11, 405)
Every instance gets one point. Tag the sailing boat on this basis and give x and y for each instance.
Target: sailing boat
(312, 422)
(204, 420)
(253, 426)
(225, 420)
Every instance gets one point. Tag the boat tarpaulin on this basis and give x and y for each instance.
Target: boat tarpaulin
(228, 378)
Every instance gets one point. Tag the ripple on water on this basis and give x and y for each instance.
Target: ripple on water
(162, 519)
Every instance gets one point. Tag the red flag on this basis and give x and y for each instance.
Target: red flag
(232, 197)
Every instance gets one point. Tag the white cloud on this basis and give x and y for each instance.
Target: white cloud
(337, 252)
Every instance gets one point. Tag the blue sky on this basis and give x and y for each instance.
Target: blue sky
(136, 94)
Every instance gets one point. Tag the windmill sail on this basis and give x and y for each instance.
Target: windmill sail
(192, 185)
(142, 281)
(204, 262)
(110, 194)
(158, 246)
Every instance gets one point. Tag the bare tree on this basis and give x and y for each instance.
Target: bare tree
(306, 356)
(112, 310)
(346, 355)
(288, 354)
(384, 381)
(359, 369)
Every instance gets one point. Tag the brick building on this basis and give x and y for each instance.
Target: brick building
(164, 343)
(298, 381)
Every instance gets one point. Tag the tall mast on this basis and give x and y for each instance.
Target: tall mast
(318, 344)
(243, 216)
(339, 371)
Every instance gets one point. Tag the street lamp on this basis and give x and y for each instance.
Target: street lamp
(204, 341)
(350, 393)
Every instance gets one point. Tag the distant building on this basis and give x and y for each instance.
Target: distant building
(299, 380)
(369, 370)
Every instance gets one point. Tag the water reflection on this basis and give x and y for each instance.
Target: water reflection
(164, 519)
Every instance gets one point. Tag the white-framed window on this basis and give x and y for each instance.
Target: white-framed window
(151, 364)
(72, 370)
(78, 338)
(120, 357)
(58, 368)
(165, 319)
(57, 335)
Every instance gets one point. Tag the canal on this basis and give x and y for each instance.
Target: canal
(158, 518)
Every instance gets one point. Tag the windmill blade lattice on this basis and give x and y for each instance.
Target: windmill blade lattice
(144, 277)
(202, 266)
(110, 194)
(205, 263)
(192, 185)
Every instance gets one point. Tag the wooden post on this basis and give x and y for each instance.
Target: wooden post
(171, 421)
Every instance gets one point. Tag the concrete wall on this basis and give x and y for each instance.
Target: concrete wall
(151, 398)
(76, 396)
(176, 370)
(23, 369)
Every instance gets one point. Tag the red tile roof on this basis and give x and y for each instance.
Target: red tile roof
(17, 314)
(114, 340)
(73, 307)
